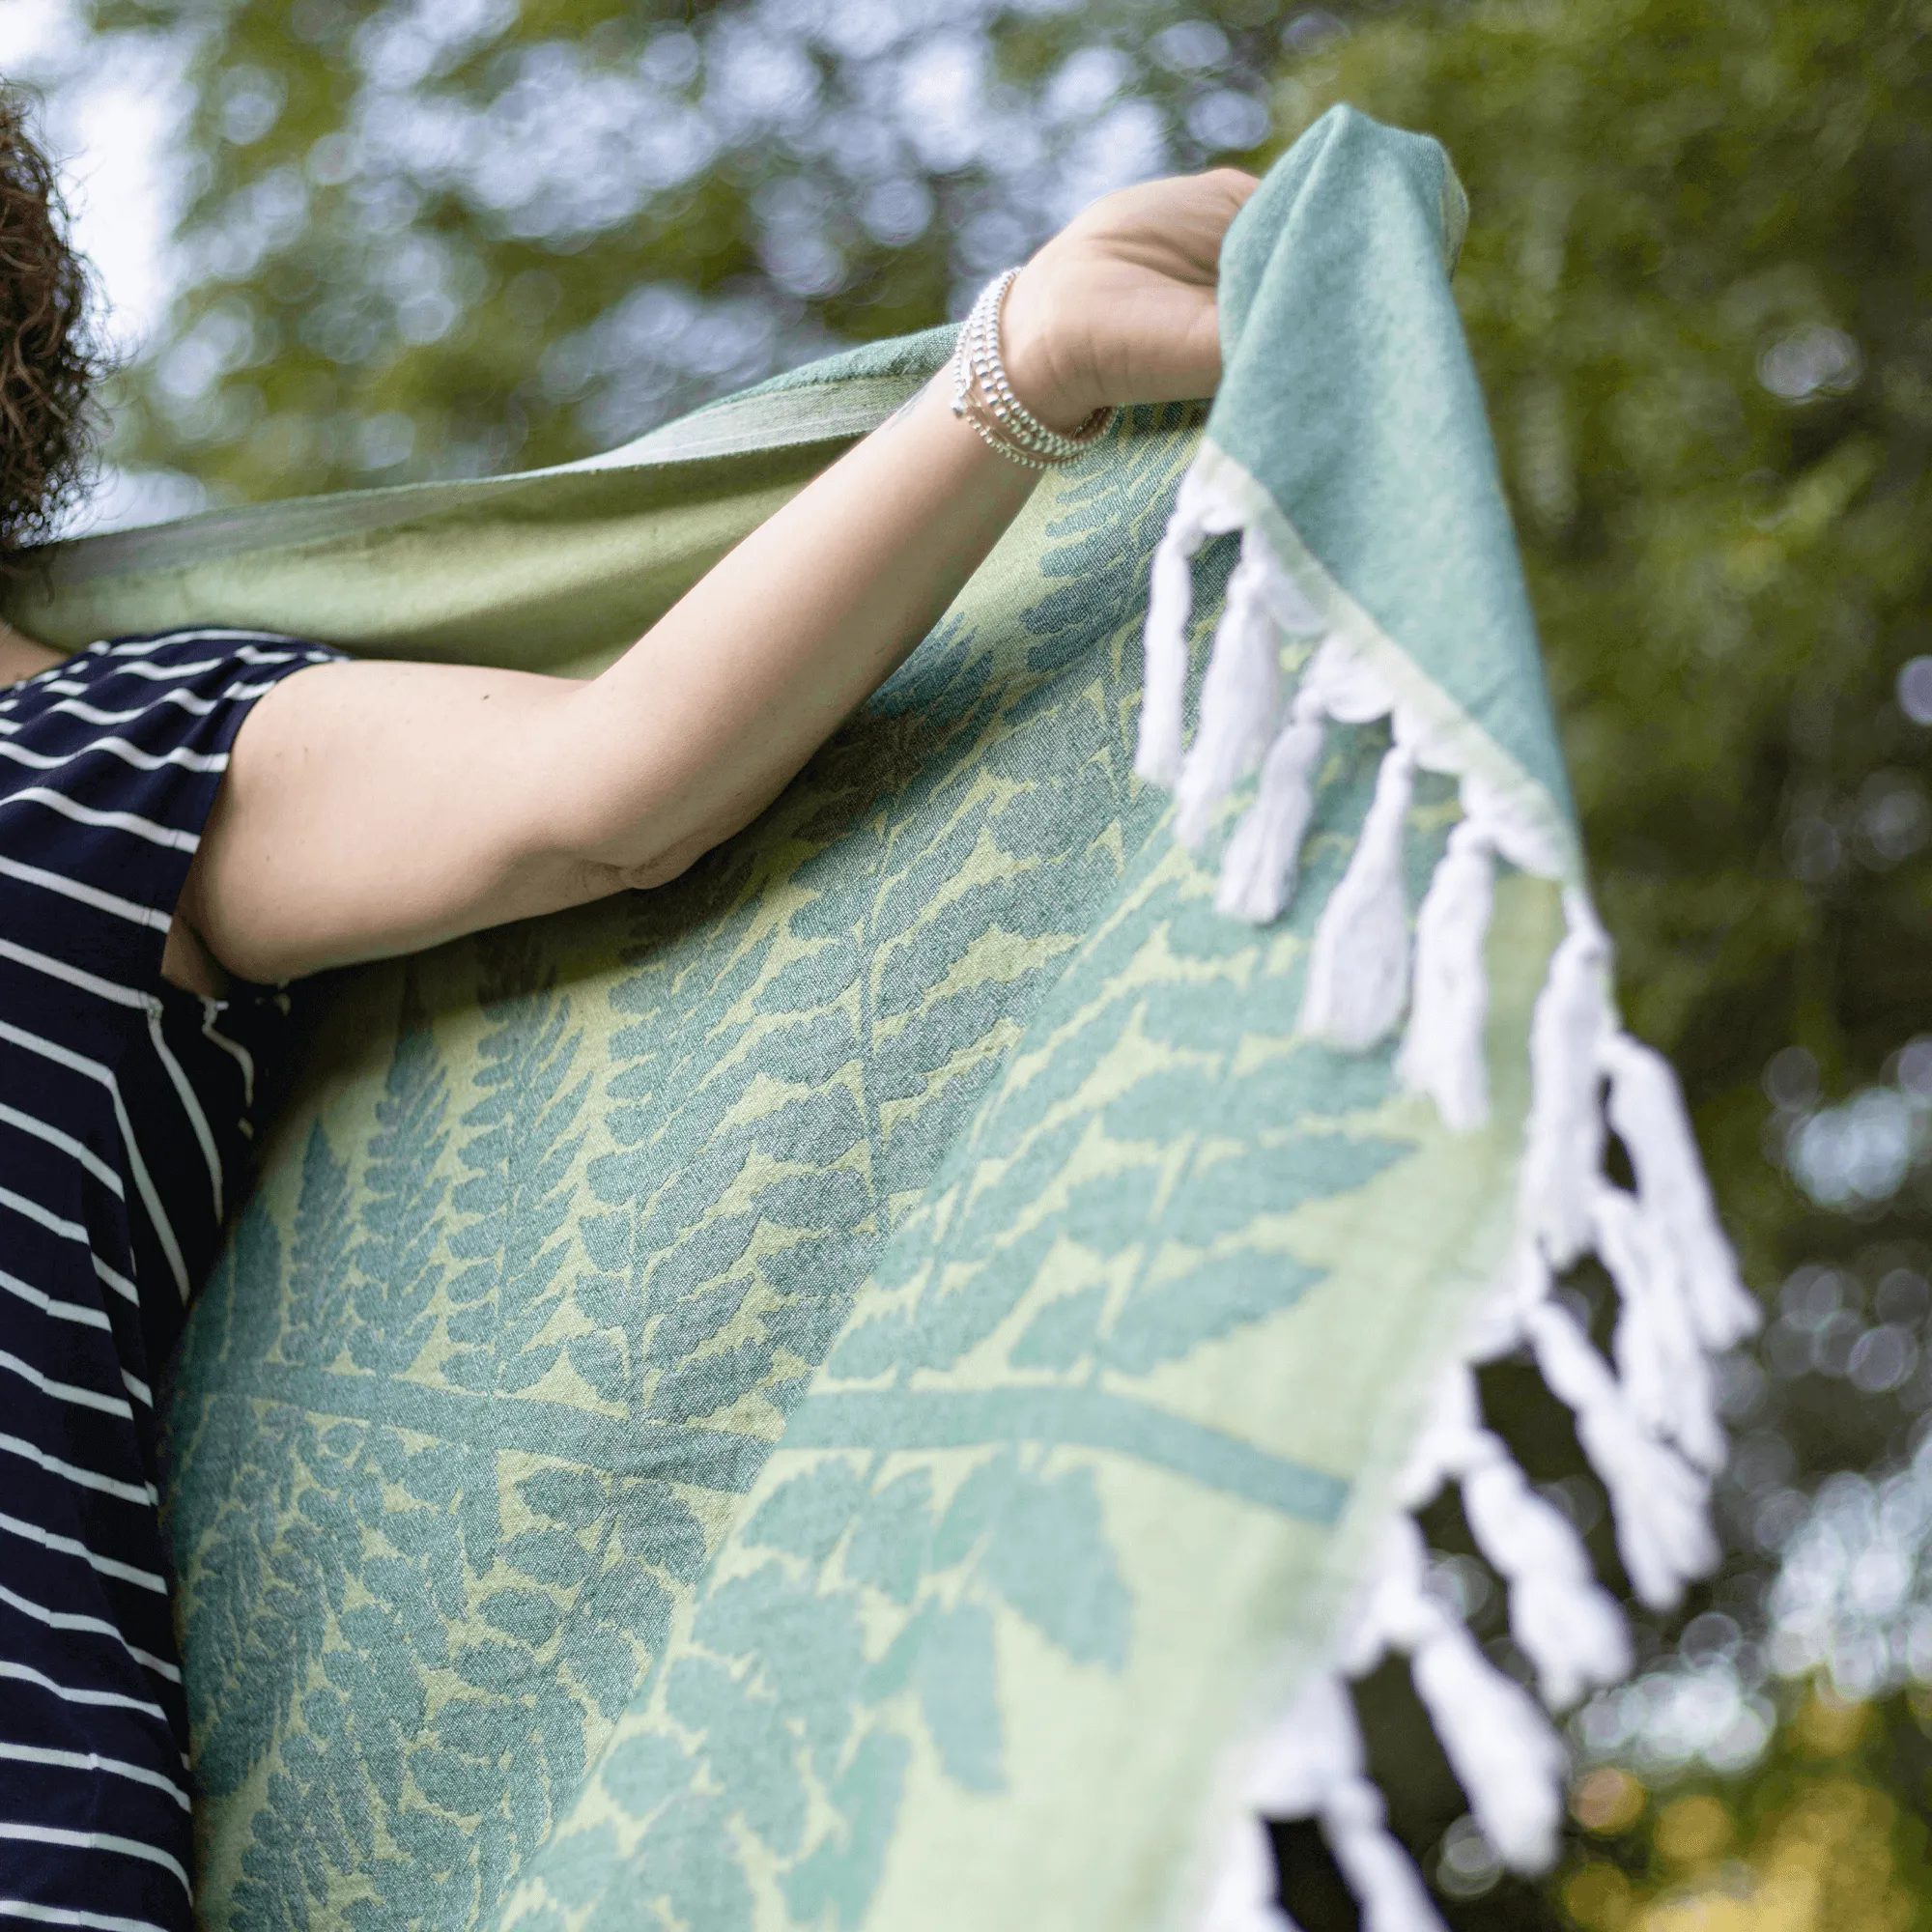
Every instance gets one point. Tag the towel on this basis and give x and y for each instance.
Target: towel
(887, 1382)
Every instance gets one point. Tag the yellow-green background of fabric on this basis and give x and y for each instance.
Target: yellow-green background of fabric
(945, 1069)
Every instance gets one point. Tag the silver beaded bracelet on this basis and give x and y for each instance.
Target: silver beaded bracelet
(983, 396)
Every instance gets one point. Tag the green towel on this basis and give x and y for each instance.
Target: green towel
(882, 1384)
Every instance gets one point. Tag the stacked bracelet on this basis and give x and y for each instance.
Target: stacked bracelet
(982, 395)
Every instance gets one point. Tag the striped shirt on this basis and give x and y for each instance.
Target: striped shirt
(123, 1111)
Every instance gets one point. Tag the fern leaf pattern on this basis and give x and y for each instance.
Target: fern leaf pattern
(686, 1356)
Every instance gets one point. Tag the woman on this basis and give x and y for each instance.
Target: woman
(184, 819)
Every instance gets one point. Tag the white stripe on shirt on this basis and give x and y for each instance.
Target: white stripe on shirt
(109, 821)
(78, 976)
(87, 895)
(94, 1842)
(73, 1472)
(80, 1063)
(65, 1143)
(71, 1230)
(119, 748)
(73, 1620)
(118, 1767)
(73, 1916)
(108, 1405)
(67, 1546)
(70, 1694)
(190, 1104)
(59, 1311)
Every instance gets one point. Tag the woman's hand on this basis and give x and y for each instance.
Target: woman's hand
(1118, 307)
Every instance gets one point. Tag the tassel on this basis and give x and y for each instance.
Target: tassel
(1564, 1148)
(1506, 1757)
(1312, 1764)
(1444, 1448)
(1359, 965)
(1657, 1499)
(1649, 1426)
(1240, 697)
(1393, 1897)
(1443, 1051)
(1646, 1108)
(1567, 1625)
(1170, 602)
(1666, 1374)
(1197, 516)
(1259, 869)
(1509, 1761)
(1243, 1896)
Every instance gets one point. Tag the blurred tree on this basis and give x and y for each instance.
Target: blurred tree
(438, 236)
(1819, 1841)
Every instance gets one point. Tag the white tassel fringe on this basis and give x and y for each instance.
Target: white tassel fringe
(1443, 1051)
(1357, 980)
(1313, 1765)
(1198, 514)
(1648, 1425)
(1240, 697)
(1258, 871)
(1563, 1153)
(1647, 1111)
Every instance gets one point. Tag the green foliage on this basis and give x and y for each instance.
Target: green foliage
(1826, 1836)
(430, 240)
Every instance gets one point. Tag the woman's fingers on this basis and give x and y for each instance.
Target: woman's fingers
(1118, 307)
(1174, 226)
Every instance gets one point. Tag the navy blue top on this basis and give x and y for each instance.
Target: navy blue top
(124, 1113)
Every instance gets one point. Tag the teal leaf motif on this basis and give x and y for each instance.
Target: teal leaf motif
(244, 1628)
(574, 1497)
(528, 1616)
(830, 954)
(600, 1361)
(1041, 1543)
(842, 1871)
(889, 1547)
(1215, 1297)
(976, 1506)
(468, 1724)
(807, 1514)
(643, 1772)
(659, 1529)
(600, 1657)
(1048, 1556)
(686, 1858)
(457, 1784)
(319, 1280)
(958, 1694)
(873, 1347)
(593, 1864)
(518, 1196)
(1062, 1333)
(748, 1745)
(810, 1649)
(402, 1209)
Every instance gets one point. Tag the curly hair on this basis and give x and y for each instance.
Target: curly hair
(49, 356)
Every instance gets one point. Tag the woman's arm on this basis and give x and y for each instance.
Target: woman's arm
(371, 808)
